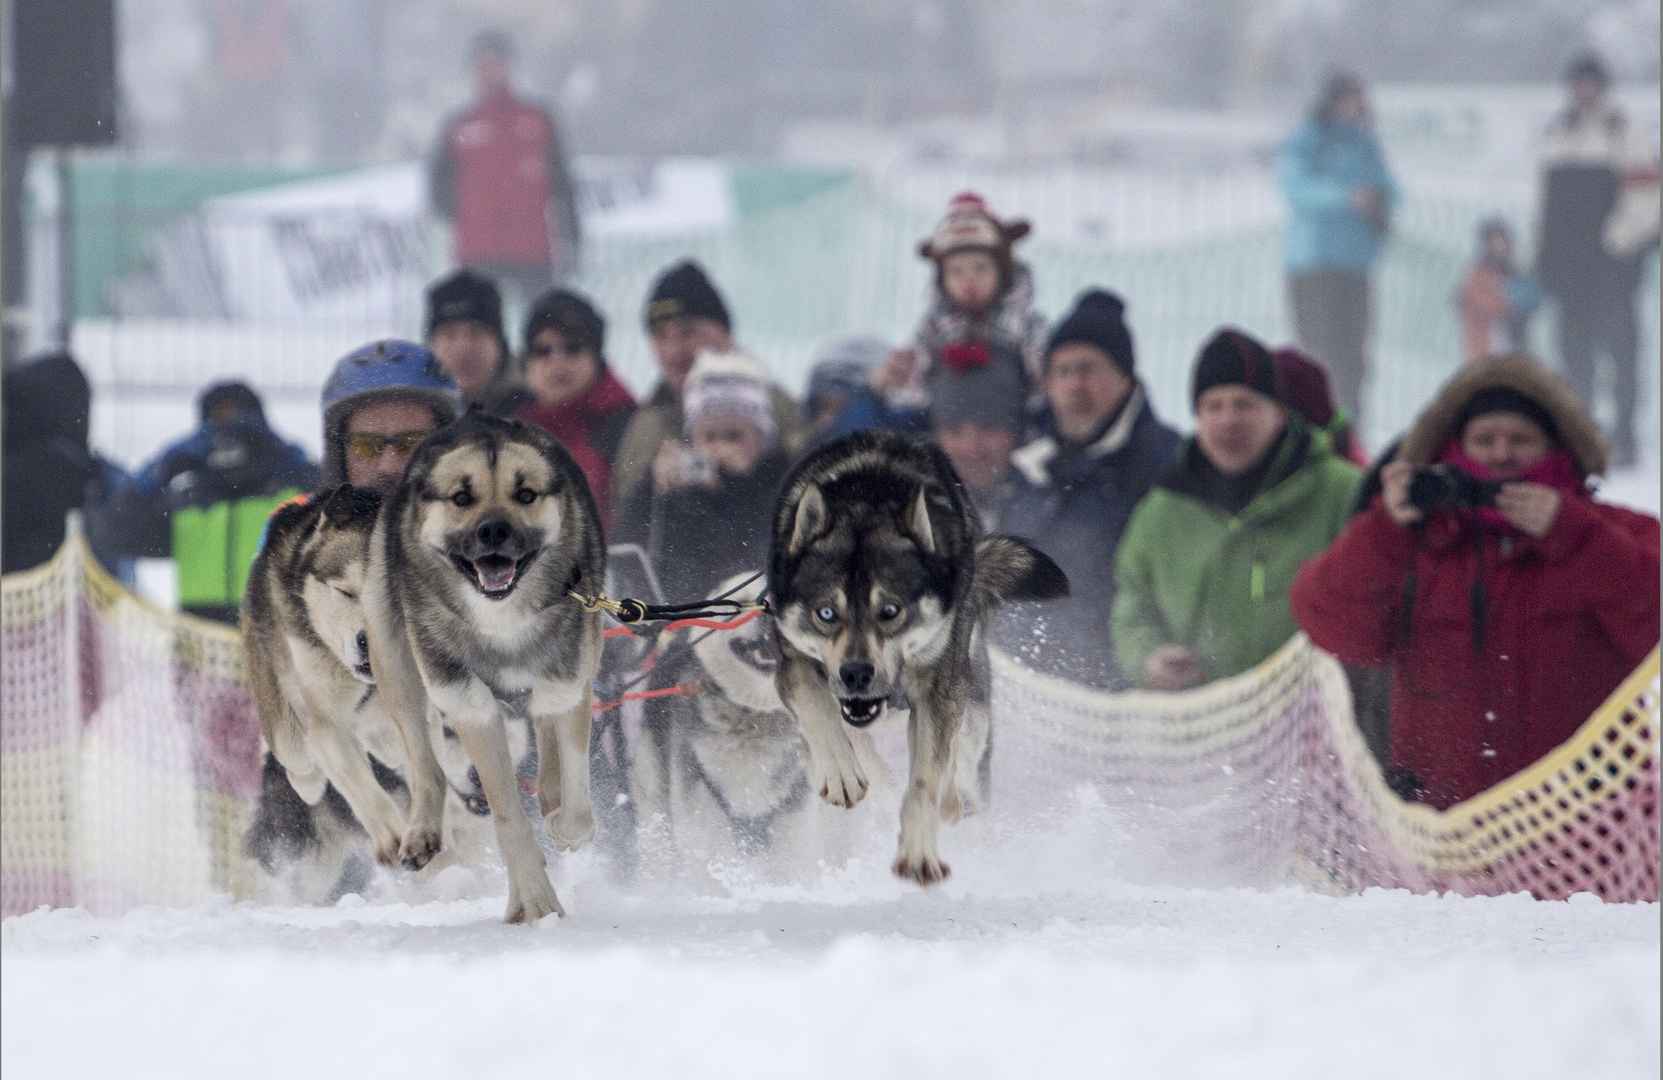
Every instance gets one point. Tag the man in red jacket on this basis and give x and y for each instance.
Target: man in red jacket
(1508, 622)
(499, 174)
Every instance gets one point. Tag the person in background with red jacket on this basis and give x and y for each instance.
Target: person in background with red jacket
(1507, 619)
(579, 401)
(499, 174)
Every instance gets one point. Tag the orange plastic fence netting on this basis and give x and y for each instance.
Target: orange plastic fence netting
(131, 761)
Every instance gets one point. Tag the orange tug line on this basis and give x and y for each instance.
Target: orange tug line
(670, 691)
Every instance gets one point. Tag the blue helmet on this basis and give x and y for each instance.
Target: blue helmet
(382, 371)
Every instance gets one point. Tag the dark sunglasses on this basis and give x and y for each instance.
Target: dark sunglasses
(368, 445)
(569, 348)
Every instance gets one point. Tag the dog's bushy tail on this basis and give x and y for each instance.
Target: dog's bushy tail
(1008, 569)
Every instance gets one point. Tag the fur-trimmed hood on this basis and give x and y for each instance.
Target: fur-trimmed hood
(1577, 430)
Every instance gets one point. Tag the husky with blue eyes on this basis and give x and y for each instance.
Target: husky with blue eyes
(881, 591)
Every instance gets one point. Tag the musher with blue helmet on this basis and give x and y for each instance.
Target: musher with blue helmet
(379, 403)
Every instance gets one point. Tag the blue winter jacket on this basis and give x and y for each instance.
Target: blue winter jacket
(1073, 505)
(1320, 166)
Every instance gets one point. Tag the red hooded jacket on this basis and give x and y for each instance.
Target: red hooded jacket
(1565, 618)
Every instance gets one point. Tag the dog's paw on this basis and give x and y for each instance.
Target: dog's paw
(532, 899)
(420, 844)
(925, 869)
(841, 782)
(570, 827)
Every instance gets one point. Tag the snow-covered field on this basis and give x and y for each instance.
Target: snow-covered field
(1040, 957)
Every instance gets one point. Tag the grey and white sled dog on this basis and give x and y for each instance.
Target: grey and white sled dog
(334, 764)
(468, 607)
(308, 664)
(881, 592)
(724, 767)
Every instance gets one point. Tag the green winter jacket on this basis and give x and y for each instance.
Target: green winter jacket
(1193, 574)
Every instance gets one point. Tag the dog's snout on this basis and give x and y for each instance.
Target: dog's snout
(856, 676)
(493, 534)
(363, 643)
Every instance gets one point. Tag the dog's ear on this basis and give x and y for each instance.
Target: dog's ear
(918, 522)
(347, 504)
(810, 520)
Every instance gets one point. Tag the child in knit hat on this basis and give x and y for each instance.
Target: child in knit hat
(704, 533)
(981, 298)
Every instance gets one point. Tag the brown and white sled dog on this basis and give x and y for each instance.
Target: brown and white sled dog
(881, 591)
(468, 607)
(308, 664)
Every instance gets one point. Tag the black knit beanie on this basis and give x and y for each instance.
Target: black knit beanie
(1505, 399)
(465, 295)
(569, 315)
(229, 396)
(1098, 319)
(1230, 358)
(684, 290)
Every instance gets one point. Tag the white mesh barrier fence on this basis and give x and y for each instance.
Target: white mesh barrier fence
(130, 746)
(1264, 779)
(131, 761)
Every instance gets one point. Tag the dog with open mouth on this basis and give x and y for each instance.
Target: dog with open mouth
(882, 590)
(469, 608)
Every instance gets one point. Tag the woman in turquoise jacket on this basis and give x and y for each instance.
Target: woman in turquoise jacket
(1340, 198)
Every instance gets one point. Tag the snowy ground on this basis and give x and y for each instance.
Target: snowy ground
(1038, 958)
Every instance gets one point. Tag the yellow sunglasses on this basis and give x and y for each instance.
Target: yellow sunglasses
(368, 445)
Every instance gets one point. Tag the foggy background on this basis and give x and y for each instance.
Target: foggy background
(263, 208)
(307, 82)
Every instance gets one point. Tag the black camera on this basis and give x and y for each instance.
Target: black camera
(1445, 487)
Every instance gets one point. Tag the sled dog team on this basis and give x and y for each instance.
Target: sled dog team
(450, 608)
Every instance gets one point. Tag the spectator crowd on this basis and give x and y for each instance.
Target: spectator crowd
(1469, 568)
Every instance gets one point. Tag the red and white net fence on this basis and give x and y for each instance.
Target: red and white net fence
(130, 754)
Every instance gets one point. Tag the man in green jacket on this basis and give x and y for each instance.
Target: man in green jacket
(1205, 565)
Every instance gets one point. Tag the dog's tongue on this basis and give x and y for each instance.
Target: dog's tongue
(495, 572)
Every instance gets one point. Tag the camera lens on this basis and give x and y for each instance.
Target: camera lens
(1433, 489)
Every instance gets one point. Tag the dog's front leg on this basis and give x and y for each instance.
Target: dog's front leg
(563, 774)
(477, 718)
(833, 769)
(402, 688)
(930, 731)
(344, 761)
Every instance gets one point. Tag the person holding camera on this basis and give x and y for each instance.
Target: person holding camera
(1509, 603)
(715, 523)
